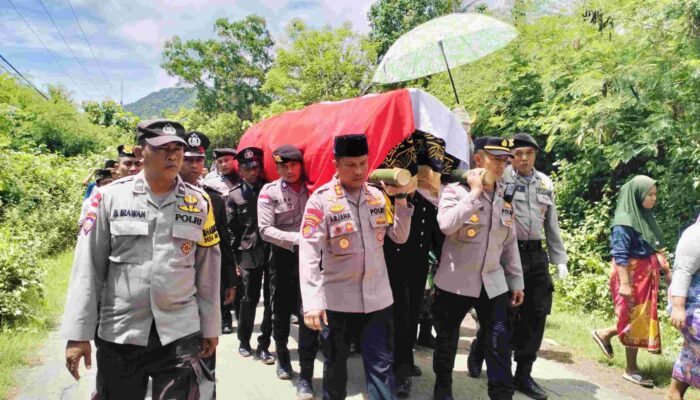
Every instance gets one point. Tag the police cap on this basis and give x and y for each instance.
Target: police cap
(224, 151)
(498, 146)
(524, 140)
(286, 153)
(110, 164)
(197, 144)
(158, 132)
(126, 150)
(249, 157)
(479, 143)
(102, 174)
(353, 145)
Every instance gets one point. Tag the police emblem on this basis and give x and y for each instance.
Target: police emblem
(504, 143)
(278, 158)
(380, 220)
(169, 130)
(89, 222)
(471, 232)
(186, 248)
(248, 154)
(474, 218)
(507, 205)
(194, 141)
(337, 208)
(190, 205)
(344, 243)
(128, 149)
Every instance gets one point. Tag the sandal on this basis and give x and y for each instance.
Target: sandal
(605, 348)
(638, 379)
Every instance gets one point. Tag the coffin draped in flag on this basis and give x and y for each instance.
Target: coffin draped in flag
(388, 120)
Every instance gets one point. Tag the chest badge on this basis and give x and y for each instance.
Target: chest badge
(348, 227)
(374, 201)
(507, 205)
(380, 237)
(344, 243)
(474, 218)
(337, 208)
(380, 220)
(337, 230)
(190, 205)
(186, 248)
(471, 232)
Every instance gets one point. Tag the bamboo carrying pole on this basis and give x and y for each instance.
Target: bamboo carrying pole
(391, 176)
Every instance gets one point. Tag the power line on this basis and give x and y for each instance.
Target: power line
(80, 64)
(22, 76)
(89, 45)
(51, 53)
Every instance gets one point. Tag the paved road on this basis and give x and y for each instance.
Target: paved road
(240, 378)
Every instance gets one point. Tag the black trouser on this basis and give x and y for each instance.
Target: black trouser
(226, 317)
(376, 337)
(449, 310)
(123, 369)
(207, 380)
(408, 288)
(286, 300)
(532, 316)
(252, 283)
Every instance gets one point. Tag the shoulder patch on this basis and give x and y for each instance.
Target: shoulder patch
(211, 235)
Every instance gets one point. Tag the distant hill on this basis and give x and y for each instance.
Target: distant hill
(156, 103)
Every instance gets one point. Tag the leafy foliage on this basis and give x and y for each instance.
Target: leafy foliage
(109, 113)
(227, 73)
(162, 102)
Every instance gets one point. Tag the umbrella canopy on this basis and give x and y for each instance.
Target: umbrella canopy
(443, 43)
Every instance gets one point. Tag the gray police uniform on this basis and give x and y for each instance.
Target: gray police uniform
(342, 270)
(145, 287)
(535, 220)
(479, 265)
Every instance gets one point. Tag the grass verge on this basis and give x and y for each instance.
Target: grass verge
(19, 345)
(572, 330)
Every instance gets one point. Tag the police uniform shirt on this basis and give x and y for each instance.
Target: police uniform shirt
(341, 256)
(248, 246)
(535, 211)
(480, 245)
(280, 211)
(140, 262)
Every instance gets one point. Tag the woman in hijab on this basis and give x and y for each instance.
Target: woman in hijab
(685, 312)
(634, 281)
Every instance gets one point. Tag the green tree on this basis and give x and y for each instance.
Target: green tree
(389, 19)
(110, 113)
(319, 65)
(227, 72)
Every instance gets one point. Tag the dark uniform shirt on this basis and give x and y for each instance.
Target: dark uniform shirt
(229, 278)
(248, 246)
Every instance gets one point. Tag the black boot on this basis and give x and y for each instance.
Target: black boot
(403, 386)
(443, 387)
(475, 360)
(525, 384)
(284, 365)
(244, 349)
(305, 390)
(425, 336)
(264, 356)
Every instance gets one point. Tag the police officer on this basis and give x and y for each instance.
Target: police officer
(344, 282)
(128, 163)
(536, 220)
(148, 257)
(408, 266)
(103, 177)
(479, 266)
(280, 212)
(225, 177)
(251, 254)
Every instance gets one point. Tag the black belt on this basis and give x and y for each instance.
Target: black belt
(529, 245)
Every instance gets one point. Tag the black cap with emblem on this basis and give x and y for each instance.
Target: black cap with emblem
(354, 145)
(287, 153)
(158, 132)
(480, 142)
(498, 146)
(102, 174)
(249, 157)
(197, 144)
(126, 150)
(524, 140)
(224, 151)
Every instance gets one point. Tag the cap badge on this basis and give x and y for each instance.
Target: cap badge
(511, 143)
(474, 218)
(128, 149)
(194, 141)
(248, 154)
(278, 158)
(169, 129)
(504, 143)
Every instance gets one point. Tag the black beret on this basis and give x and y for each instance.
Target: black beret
(354, 145)
(126, 150)
(158, 132)
(224, 151)
(110, 164)
(197, 144)
(102, 174)
(525, 140)
(479, 143)
(250, 156)
(286, 153)
(498, 146)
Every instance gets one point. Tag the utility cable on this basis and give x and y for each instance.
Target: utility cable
(89, 45)
(22, 76)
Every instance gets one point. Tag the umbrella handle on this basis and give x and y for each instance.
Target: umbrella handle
(452, 81)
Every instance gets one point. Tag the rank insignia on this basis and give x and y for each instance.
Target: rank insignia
(474, 218)
(190, 205)
(380, 220)
(507, 205)
(186, 248)
(337, 208)
(344, 243)
(471, 232)
(374, 201)
(339, 191)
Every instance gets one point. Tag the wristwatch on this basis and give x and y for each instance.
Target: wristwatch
(401, 196)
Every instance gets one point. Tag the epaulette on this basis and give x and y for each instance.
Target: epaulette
(546, 181)
(124, 179)
(195, 188)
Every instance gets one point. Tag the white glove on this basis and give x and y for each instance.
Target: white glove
(562, 271)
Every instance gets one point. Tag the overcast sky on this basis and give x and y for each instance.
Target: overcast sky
(128, 35)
